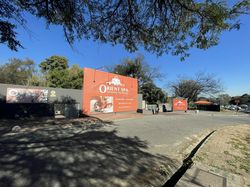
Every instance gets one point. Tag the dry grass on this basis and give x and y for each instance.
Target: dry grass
(228, 149)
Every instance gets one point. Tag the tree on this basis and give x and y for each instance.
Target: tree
(17, 71)
(37, 80)
(146, 75)
(9, 11)
(58, 75)
(244, 99)
(191, 88)
(137, 68)
(224, 99)
(153, 94)
(159, 26)
(55, 72)
(75, 77)
(54, 63)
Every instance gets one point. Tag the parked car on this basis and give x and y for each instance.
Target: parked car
(247, 111)
(232, 107)
(244, 107)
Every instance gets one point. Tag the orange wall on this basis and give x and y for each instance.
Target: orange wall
(108, 92)
(180, 104)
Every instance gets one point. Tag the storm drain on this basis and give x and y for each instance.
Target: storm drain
(204, 178)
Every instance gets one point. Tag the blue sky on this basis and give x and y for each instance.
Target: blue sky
(229, 61)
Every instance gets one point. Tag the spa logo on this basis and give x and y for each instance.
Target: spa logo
(179, 103)
(115, 82)
(114, 86)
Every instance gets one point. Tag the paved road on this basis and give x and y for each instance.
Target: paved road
(65, 154)
(163, 132)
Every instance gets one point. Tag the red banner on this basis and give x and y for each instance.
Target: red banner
(107, 92)
(180, 104)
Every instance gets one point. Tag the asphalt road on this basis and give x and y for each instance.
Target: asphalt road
(164, 132)
(64, 153)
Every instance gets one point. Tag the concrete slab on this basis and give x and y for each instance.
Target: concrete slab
(199, 177)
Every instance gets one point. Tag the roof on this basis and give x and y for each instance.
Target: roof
(203, 103)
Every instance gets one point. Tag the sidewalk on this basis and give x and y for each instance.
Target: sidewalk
(203, 175)
(222, 161)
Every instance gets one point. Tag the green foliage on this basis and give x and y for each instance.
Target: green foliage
(75, 77)
(133, 68)
(54, 63)
(65, 79)
(192, 106)
(69, 78)
(59, 75)
(138, 68)
(37, 80)
(9, 10)
(153, 94)
(17, 71)
(244, 99)
(158, 26)
(54, 73)
(57, 79)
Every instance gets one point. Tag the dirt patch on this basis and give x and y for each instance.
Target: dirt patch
(228, 149)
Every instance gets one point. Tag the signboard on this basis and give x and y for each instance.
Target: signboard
(180, 104)
(107, 92)
(22, 95)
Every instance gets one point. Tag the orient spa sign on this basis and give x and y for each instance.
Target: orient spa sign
(107, 92)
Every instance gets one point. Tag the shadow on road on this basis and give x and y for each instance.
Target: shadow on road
(56, 155)
(85, 122)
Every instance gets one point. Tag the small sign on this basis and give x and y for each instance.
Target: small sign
(53, 93)
(23, 95)
(180, 104)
